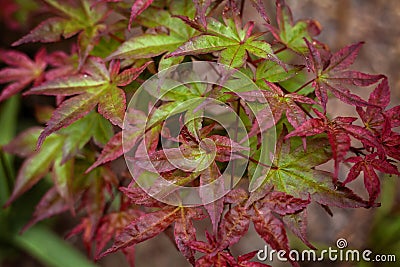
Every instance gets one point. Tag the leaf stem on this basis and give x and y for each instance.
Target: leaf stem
(280, 50)
(255, 161)
(304, 85)
(116, 38)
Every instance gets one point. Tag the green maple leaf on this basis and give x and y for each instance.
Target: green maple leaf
(273, 72)
(98, 87)
(294, 172)
(149, 45)
(290, 33)
(233, 41)
(83, 18)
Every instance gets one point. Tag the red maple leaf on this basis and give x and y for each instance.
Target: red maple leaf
(339, 131)
(333, 75)
(22, 71)
(367, 165)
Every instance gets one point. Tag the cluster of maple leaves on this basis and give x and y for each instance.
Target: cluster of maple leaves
(117, 45)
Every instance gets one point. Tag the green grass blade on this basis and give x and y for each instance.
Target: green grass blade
(50, 249)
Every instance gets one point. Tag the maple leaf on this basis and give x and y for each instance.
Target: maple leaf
(100, 87)
(149, 44)
(139, 197)
(62, 64)
(294, 173)
(229, 38)
(112, 225)
(334, 75)
(109, 226)
(373, 117)
(278, 104)
(273, 72)
(233, 226)
(282, 203)
(74, 18)
(136, 121)
(201, 11)
(185, 233)
(394, 116)
(271, 229)
(380, 121)
(56, 154)
(151, 224)
(367, 165)
(216, 207)
(22, 71)
(213, 257)
(137, 8)
(390, 140)
(37, 164)
(338, 131)
(292, 34)
(49, 205)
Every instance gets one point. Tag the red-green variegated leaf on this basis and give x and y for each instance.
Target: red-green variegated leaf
(137, 8)
(72, 19)
(50, 30)
(185, 232)
(282, 203)
(216, 207)
(112, 150)
(139, 197)
(143, 228)
(234, 43)
(295, 174)
(233, 226)
(271, 229)
(394, 115)
(68, 112)
(25, 143)
(36, 166)
(129, 75)
(66, 86)
(113, 105)
(51, 204)
(62, 176)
